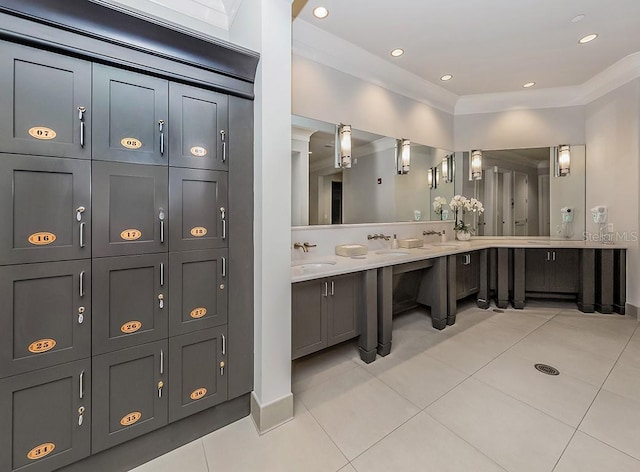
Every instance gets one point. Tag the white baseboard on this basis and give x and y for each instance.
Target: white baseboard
(269, 416)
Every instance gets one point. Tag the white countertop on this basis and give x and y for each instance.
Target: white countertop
(311, 267)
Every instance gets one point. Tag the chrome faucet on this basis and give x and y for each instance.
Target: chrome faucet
(379, 236)
(430, 232)
(304, 246)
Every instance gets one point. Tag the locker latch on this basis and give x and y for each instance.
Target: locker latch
(79, 211)
(221, 367)
(80, 415)
(161, 301)
(160, 387)
(80, 315)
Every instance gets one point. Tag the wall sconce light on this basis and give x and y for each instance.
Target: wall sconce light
(403, 156)
(448, 169)
(432, 177)
(562, 160)
(343, 147)
(475, 169)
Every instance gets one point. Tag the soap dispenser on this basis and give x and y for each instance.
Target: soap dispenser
(443, 237)
(394, 243)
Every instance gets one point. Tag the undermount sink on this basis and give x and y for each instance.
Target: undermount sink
(301, 267)
(392, 252)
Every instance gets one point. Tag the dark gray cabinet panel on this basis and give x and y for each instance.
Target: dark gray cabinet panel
(130, 208)
(199, 128)
(198, 294)
(130, 116)
(130, 302)
(342, 322)
(552, 270)
(45, 209)
(467, 274)
(46, 418)
(308, 317)
(130, 394)
(535, 262)
(46, 103)
(199, 209)
(198, 366)
(46, 317)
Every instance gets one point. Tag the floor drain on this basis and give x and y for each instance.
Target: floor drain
(547, 369)
(498, 310)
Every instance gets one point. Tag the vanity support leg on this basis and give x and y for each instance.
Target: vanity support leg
(369, 325)
(439, 303)
(587, 296)
(620, 281)
(385, 309)
(452, 303)
(604, 281)
(503, 277)
(483, 295)
(518, 279)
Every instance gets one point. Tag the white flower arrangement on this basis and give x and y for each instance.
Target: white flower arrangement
(438, 203)
(461, 204)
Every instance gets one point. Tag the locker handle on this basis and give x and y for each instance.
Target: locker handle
(224, 266)
(161, 125)
(81, 111)
(161, 362)
(81, 385)
(224, 229)
(82, 225)
(161, 218)
(82, 284)
(223, 135)
(162, 274)
(224, 345)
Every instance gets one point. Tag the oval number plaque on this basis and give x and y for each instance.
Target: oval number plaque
(197, 313)
(41, 132)
(198, 393)
(130, 418)
(42, 238)
(131, 143)
(198, 231)
(131, 234)
(42, 345)
(131, 327)
(41, 451)
(198, 151)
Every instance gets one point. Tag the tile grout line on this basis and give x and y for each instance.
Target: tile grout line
(204, 451)
(593, 401)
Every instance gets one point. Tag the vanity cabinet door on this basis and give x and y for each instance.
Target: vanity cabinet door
(565, 270)
(309, 302)
(342, 319)
(461, 288)
(535, 263)
(472, 276)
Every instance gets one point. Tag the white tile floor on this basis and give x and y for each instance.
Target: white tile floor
(464, 399)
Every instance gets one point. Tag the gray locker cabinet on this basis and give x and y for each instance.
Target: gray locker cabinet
(130, 119)
(46, 315)
(46, 105)
(45, 209)
(200, 128)
(198, 204)
(46, 418)
(130, 301)
(198, 290)
(130, 204)
(130, 394)
(198, 366)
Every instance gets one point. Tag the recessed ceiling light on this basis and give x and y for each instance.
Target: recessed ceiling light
(446, 77)
(397, 52)
(320, 12)
(529, 84)
(588, 38)
(577, 18)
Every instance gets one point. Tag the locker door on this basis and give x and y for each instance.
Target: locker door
(198, 296)
(199, 209)
(46, 418)
(45, 209)
(130, 207)
(130, 394)
(130, 116)
(199, 372)
(46, 103)
(46, 315)
(129, 301)
(200, 128)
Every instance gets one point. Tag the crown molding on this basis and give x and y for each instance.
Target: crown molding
(325, 48)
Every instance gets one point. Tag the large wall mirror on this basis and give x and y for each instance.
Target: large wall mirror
(371, 191)
(523, 196)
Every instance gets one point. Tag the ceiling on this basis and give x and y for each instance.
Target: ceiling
(489, 46)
